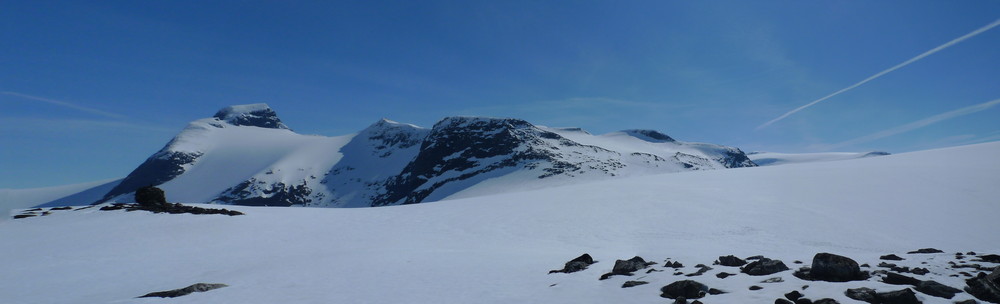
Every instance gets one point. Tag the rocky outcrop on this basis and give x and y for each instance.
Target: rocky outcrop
(627, 267)
(577, 264)
(730, 260)
(984, 286)
(687, 289)
(199, 287)
(764, 266)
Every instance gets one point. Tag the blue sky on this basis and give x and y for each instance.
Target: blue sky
(89, 90)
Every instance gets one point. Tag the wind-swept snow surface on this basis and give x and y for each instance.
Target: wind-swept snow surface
(772, 158)
(499, 248)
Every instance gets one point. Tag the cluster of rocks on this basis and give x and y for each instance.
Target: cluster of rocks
(33, 212)
(154, 200)
(825, 267)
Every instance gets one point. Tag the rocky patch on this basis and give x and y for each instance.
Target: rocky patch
(627, 267)
(199, 287)
(577, 264)
(832, 268)
(763, 266)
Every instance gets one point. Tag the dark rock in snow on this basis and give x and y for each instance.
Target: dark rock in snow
(803, 301)
(687, 288)
(898, 279)
(886, 265)
(764, 266)
(863, 294)
(626, 267)
(782, 301)
(633, 283)
(794, 295)
(723, 275)
(674, 264)
(150, 196)
(199, 287)
(905, 296)
(702, 269)
(577, 264)
(826, 301)
(891, 257)
(920, 271)
(756, 257)
(937, 289)
(984, 286)
(835, 268)
(773, 280)
(731, 261)
(969, 301)
(992, 258)
(755, 287)
(713, 291)
(925, 250)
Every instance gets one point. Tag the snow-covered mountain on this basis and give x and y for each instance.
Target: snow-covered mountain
(500, 248)
(773, 158)
(245, 155)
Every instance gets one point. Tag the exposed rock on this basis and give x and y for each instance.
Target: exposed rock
(764, 266)
(755, 287)
(626, 267)
(863, 294)
(62, 208)
(713, 291)
(969, 301)
(886, 265)
(898, 279)
(674, 264)
(723, 275)
(199, 287)
(803, 301)
(937, 289)
(680, 300)
(794, 295)
(151, 197)
(992, 258)
(920, 271)
(756, 257)
(891, 257)
(826, 301)
(782, 301)
(984, 286)
(835, 268)
(905, 296)
(633, 283)
(702, 269)
(577, 264)
(926, 250)
(24, 215)
(731, 260)
(687, 288)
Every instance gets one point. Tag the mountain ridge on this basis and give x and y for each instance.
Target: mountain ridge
(245, 155)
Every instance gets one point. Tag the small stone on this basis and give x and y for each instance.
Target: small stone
(633, 283)
(794, 295)
(755, 287)
(826, 301)
(773, 280)
(723, 275)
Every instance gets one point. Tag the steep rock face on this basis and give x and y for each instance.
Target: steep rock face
(463, 148)
(158, 169)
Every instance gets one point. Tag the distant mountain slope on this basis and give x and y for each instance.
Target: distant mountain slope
(772, 158)
(26, 198)
(245, 155)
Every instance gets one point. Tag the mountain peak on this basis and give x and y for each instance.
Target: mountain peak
(649, 135)
(254, 115)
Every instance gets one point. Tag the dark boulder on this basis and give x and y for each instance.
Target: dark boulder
(199, 287)
(577, 264)
(898, 279)
(723, 275)
(926, 250)
(150, 196)
(755, 287)
(863, 294)
(905, 296)
(702, 269)
(803, 301)
(731, 261)
(984, 286)
(937, 289)
(826, 301)
(626, 267)
(764, 266)
(891, 257)
(992, 258)
(835, 268)
(782, 301)
(794, 295)
(687, 288)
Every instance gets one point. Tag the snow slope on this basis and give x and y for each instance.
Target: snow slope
(24, 198)
(773, 158)
(498, 249)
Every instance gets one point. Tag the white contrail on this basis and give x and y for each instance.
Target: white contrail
(879, 74)
(64, 104)
(918, 124)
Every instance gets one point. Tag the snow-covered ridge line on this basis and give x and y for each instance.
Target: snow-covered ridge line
(246, 155)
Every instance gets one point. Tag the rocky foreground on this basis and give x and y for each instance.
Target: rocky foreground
(916, 284)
